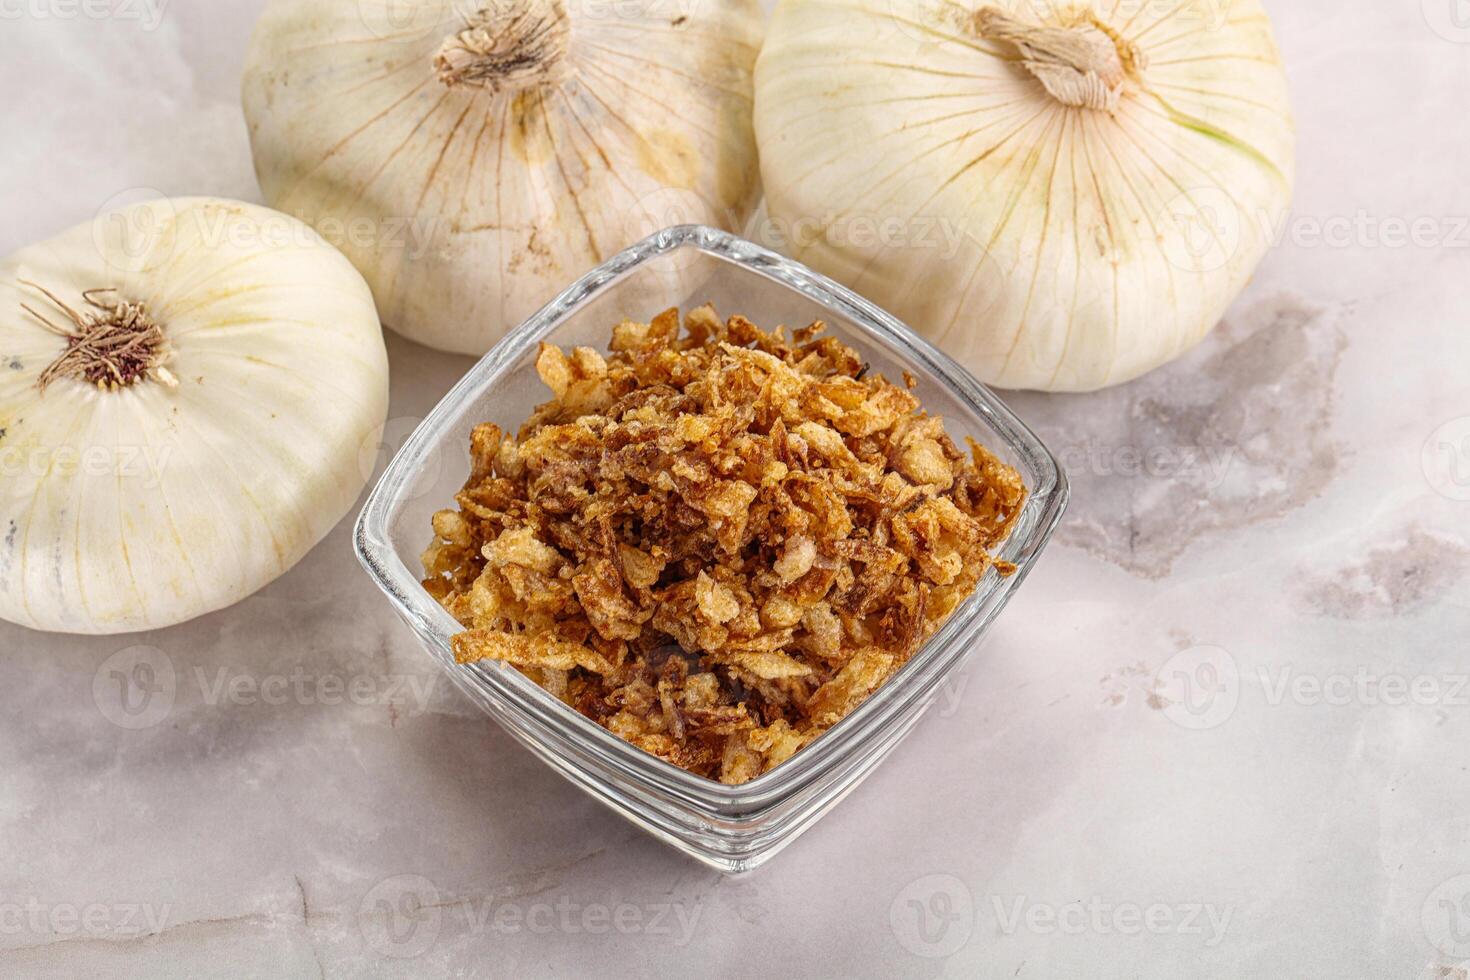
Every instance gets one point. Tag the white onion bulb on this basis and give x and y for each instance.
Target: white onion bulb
(1062, 195)
(186, 387)
(472, 159)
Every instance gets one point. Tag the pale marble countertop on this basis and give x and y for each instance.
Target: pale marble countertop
(1061, 813)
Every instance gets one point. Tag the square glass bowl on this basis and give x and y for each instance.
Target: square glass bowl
(731, 828)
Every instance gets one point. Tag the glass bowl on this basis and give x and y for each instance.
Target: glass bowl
(731, 828)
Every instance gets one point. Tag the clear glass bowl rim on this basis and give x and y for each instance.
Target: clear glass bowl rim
(917, 678)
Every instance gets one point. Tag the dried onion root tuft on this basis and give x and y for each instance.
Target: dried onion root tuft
(113, 345)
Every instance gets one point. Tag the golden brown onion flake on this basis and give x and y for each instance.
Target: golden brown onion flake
(716, 543)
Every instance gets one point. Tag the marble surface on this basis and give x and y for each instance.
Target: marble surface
(1224, 731)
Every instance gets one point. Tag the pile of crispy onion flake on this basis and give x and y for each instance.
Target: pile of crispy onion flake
(716, 543)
